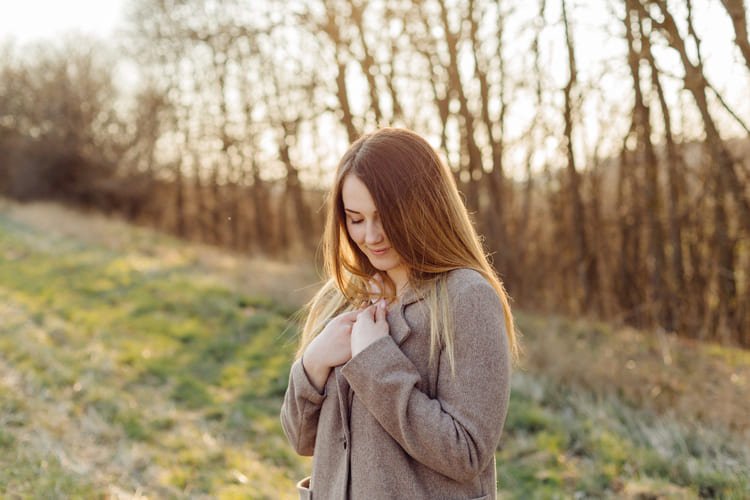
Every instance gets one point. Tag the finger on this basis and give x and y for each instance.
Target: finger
(375, 287)
(380, 311)
(368, 312)
(350, 316)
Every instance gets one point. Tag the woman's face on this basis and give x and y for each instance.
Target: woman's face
(364, 225)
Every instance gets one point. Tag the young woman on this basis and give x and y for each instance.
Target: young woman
(401, 384)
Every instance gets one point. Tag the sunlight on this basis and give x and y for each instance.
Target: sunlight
(44, 19)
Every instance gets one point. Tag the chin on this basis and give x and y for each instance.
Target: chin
(384, 265)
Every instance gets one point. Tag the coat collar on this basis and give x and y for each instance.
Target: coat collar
(412, 295)
(399, 327)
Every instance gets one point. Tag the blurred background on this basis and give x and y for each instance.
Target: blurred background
(163, 171)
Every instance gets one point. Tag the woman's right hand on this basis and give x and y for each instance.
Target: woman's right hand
(332, 347)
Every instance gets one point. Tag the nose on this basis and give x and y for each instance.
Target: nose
(373, 233)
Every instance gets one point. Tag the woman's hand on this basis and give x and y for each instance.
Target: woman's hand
(369, 327)
(332, 347)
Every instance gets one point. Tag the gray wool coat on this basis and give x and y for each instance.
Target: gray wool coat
(389, 426)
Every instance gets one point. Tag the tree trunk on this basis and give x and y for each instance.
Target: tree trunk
(438, 80)
(627, 287)
(293, 189)
(737, 12)
(217, 209)
(367, 62)
(180, 227)
(676, 187)
(658, 308)
(474, 160)
(331, 28)
(585, 263)
(495, 221)
(696, 83)
(261, 211)
(725, 178)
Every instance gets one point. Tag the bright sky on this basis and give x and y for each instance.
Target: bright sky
(27, 20)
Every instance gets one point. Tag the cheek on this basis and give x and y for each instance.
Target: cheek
(356, 233)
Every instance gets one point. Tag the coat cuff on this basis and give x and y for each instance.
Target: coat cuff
(302, 385)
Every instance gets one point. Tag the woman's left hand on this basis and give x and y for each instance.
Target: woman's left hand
(369, 327)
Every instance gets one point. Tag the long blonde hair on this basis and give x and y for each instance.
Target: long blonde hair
(426, 223)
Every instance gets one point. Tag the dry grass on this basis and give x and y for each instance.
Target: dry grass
(291, 283)
(125, 356)
(663, 372)
(561, 439)
(124, 361)
(58, 421)
(670, 375)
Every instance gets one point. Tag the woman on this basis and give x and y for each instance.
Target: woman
(402, 381)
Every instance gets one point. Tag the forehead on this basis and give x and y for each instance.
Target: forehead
(356, 196)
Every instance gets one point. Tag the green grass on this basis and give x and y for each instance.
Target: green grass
(159, 355)
(25, 473)
(125, 371)
(561, 441)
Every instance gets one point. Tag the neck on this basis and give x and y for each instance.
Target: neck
(400, 277)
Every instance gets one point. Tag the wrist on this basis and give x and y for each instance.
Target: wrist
(317, 373)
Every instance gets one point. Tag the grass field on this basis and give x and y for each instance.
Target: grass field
(133, 365)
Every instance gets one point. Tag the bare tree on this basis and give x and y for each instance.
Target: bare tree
(726, 178)
(656, 297)
(675, 183)
(495, 218)
(586, 262)
(738, 14)
(331, 26)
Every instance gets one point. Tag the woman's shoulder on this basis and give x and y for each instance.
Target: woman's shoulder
(468, 288)
(464, 278)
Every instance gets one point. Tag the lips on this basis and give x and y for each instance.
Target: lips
(380, 251)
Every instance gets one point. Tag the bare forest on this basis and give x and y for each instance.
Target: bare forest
(604, 156)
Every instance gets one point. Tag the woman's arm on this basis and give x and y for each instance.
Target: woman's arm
(300, 410)
(457, 433)
(306, 390)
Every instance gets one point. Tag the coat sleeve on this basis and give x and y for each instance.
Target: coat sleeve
(457, 432)
(300, 410)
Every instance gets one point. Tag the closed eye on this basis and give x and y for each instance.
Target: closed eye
(356, 221)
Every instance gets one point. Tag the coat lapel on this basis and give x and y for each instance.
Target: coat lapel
(399, 330)
(399, 327)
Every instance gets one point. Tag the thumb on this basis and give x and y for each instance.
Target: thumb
(370, 311)
(380, 311)
(351, 315)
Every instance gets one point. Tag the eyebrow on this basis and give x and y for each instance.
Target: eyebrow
(355, 212)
